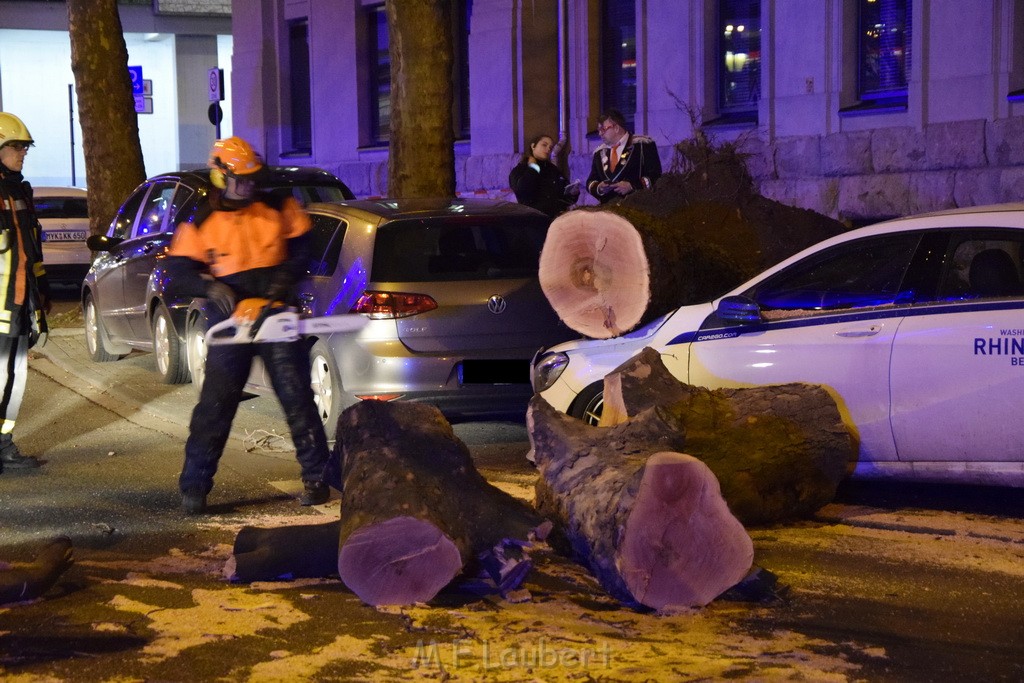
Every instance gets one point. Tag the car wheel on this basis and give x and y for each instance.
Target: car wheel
(589, 404)
(94, 333)
(171, 359)
(195, 350)
(326, 383)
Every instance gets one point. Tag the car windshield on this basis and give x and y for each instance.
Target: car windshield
(466, 248)
(61, 207)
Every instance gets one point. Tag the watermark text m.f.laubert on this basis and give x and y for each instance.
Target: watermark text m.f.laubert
(539, 654)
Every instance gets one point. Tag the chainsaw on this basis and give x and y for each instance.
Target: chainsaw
(281, 325)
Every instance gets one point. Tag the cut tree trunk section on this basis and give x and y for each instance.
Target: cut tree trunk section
(650, 523)
(595, 273)
(779, 451)
(416, 515)
(302, 551)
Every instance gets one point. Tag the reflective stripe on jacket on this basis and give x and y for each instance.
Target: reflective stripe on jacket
(23, 280)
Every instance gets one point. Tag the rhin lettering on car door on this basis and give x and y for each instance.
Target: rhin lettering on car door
(1010, 342)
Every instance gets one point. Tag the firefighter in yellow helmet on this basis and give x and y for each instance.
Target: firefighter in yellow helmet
(24, 289)
(252, 246)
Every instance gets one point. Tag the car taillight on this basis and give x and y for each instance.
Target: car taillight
(385, 305)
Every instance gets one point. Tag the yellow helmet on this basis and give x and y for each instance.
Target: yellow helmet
(13, 130)
(232, 156)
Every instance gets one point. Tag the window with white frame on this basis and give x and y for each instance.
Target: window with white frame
(884, 32)
(739, 59)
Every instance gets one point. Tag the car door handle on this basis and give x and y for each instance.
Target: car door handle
(863, 332)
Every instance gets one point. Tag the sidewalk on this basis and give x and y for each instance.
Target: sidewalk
(131, 388)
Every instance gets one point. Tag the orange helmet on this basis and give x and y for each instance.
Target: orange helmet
(232, 156)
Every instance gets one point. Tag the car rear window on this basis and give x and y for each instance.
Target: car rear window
(61, 207)
(308, 194)
(465, 248)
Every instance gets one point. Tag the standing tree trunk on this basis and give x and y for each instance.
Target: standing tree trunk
(422, 154)
(106, 108)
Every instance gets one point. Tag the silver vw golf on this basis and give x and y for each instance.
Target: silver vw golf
(450, 287)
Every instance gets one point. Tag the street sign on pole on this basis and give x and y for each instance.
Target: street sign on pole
(216, 84)
(136, 75)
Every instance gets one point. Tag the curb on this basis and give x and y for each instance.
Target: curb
(63, 359)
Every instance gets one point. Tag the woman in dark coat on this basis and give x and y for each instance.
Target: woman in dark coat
(537, 180)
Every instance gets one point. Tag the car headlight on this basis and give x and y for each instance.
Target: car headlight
(548, 369)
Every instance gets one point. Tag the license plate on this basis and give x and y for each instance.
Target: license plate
(64, 235)
(495, 372)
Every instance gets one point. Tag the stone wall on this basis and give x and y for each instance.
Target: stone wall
(220, 8)
(870, 175)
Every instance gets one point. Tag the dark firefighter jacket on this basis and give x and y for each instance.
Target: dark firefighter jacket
(23, 282)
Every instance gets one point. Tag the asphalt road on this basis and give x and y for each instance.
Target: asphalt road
(889, 583)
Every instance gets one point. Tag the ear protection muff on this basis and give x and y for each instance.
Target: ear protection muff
(218, 178)
(218, 174)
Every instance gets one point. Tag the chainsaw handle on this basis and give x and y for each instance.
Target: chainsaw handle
(227, 332)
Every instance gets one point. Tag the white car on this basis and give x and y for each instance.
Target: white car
(63, 214)
(915, 325)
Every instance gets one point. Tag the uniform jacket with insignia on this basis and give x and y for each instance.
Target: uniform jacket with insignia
(639, 164)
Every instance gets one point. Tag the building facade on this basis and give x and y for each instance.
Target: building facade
(859, 109)
(174, 42)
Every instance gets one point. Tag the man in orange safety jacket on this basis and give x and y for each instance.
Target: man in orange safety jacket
(245, 256)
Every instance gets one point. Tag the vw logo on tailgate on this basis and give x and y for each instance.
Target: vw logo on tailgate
(496, 305)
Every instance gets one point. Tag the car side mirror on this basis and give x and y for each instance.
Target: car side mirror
(739, 309)
(102, 242)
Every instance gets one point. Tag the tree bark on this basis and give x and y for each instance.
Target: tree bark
(106, 108)
(304, 551)
(422, 153)
(650, 524)
(779, 451)
(415, 511)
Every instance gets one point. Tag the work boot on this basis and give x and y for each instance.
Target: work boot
(316, 493)
(11, 457)
(193, 502)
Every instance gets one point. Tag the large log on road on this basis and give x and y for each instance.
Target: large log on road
(779, 451)
(650, 523)
(415, 511)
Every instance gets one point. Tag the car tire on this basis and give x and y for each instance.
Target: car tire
(94, 333)
(588, 404)
(325, 381)
(171, 359)
(195, 349)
